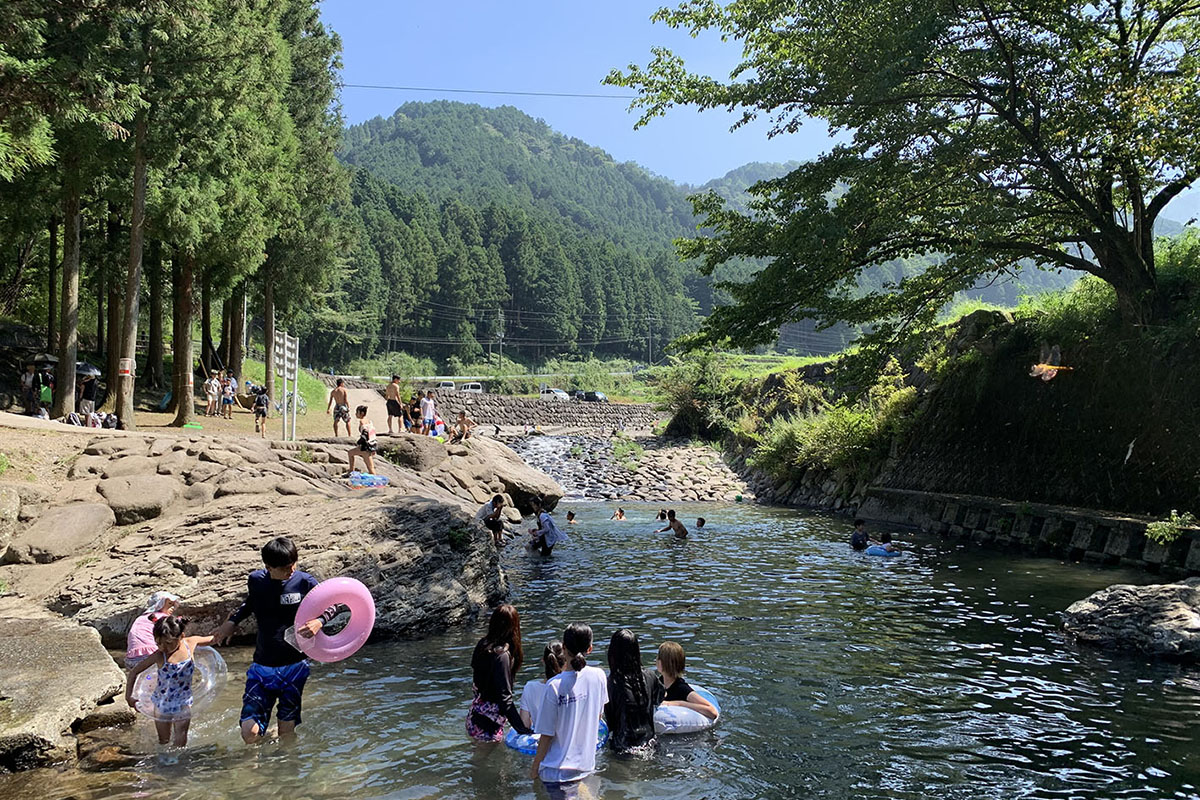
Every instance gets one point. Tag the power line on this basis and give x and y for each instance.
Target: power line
(512, 92)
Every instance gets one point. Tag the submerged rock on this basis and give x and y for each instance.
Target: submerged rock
(1161, 620)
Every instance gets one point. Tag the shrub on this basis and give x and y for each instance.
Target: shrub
(3, 463)
(1168, 530)
(628, 452)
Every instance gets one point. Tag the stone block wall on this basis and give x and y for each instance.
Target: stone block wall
(1059, 531)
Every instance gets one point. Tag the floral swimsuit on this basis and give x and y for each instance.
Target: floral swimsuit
(173, 693)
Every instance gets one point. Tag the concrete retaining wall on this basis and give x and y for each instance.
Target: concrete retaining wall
(1060, 531)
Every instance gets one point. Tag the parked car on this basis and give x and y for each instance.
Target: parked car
(446, 386)
(554, 394)
(595, 397)
(472, 388)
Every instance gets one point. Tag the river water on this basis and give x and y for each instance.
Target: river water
(942, 673)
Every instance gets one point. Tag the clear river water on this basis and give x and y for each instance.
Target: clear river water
(943, 673)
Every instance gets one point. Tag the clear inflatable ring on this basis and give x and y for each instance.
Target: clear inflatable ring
(208, 678)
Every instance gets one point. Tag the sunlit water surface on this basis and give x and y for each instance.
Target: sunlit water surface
(943, 673)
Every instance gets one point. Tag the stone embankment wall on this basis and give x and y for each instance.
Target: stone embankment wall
(499, 409)
(666, 470)
(1060, 531)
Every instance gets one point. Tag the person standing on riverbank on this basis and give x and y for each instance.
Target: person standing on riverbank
(428, 413)
(395, 409)
(340, 402)
(367, 442)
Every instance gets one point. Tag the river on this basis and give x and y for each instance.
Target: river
(941, 673)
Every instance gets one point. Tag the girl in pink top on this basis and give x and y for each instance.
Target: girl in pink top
(141, 633)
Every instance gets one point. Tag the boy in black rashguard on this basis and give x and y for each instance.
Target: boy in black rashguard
(279, 670)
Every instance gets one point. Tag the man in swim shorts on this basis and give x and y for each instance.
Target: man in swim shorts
(428, 413)
(394, 407)
(279, 671)
(340, 401)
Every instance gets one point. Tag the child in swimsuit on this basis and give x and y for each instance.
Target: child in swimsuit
(172, 696)
(674, 525)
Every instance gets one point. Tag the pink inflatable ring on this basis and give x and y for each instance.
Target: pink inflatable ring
(345, 642)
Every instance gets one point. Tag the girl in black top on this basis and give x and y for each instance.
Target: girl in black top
(633, 692)
(495, 662)
(671, 663)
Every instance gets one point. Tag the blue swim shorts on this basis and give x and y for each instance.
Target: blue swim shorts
(267, 685)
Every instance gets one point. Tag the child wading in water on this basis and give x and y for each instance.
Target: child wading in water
(674, 525)
(633, 692)
(553, 661)
(569, 719)
(172, 697)
(679, 692)
(279, 670)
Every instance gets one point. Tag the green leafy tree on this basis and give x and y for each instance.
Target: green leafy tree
(991, 132)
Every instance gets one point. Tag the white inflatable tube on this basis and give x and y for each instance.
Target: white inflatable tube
(676, 719)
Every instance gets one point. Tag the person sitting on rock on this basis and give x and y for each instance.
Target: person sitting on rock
(279, 671)
(462, 427)
(367, 442)
(490, 515)
(674, 525)
(546, 534)
(619, 515)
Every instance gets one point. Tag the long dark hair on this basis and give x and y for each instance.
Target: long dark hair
(625, 665)
(553, 659)
(504, 630)
(577, 638)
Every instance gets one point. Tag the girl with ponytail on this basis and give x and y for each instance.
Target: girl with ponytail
(553, 661)
(633, 692)
(569, 719)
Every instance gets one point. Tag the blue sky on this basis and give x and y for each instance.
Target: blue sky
(541, 45)
(538, 45)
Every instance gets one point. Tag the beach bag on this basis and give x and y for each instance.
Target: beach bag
(44, 394)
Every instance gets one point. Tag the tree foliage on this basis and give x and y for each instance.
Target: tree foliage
(988, 133)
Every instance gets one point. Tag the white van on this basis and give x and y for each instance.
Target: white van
(446, 386)
(554, 394)
(472, 388)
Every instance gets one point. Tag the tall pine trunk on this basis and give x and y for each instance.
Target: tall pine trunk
(237, 330)
(154, 354)
(101, 338)
(226, 321)
(207, 354)
(68, 339)
(269, 336)
(52, 269)
(133, 277)
(176, 325)
(181, 339)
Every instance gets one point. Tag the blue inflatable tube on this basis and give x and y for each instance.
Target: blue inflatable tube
(527, 743)
(880, 550)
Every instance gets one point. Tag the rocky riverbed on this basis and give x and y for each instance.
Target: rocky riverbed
(629, 469)
(135, 514)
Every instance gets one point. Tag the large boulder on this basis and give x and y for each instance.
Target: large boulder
(138, 498)
(60, 532)
(418, 453)
(521, 481)
(1159, 620)
(53, 674)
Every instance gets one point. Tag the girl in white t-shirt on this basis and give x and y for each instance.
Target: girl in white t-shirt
(553, 660)
(568, 722)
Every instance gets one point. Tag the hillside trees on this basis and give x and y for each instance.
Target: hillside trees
(991, 132)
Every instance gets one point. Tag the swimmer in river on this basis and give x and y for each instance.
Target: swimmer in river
(859, 539)
(662, 515)
(571, 518)
(699, 523)
(674, 525)
(885, 541)
(619, 515)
